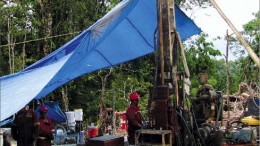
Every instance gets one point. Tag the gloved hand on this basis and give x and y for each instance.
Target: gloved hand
(144, 124)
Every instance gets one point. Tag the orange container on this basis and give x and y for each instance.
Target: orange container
(92, 131)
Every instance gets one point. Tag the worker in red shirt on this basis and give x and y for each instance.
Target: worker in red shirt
(25, 128)
(134, 117)
(46, 128)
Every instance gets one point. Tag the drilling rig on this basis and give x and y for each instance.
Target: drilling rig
(170, 106)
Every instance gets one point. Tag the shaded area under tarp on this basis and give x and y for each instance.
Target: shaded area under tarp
(123, 34)
(54, 112)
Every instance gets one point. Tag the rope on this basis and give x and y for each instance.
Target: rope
(38, 39)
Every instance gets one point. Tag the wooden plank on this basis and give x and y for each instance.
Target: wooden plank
(164, 133)
(153, 131)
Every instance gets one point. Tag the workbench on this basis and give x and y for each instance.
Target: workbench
(142, 134)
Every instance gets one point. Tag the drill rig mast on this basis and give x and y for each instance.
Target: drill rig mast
(161, 108)
(166, 108)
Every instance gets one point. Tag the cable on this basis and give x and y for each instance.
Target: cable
(196, 124)
(38, 39)
(185, 123)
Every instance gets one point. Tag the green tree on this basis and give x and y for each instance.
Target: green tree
(249, 72)
(14, 28)
(201, 56)
(235, 77)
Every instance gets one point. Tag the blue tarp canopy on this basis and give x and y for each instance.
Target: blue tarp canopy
(54, 111)
(123, 34)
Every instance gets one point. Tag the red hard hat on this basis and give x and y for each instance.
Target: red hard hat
(44, 109)
(134, 96)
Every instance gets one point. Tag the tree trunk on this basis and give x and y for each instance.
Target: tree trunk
(65, 99)
(103, 112)
(24, 53)
(11, 45)
(240, 38)
(47, 24)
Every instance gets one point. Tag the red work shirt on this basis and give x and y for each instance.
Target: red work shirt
(45, 132)
(134, 117)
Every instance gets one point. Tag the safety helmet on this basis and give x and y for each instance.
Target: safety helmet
(44, 109)
(134, 96)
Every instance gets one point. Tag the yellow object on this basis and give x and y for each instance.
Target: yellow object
(250, 121)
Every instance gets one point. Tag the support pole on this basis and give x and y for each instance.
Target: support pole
(227, 70)
(240, 38)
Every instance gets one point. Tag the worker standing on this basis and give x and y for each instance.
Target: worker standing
(46, 128)
(134, 117)
(25, 128)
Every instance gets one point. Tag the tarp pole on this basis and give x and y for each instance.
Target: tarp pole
(183, 56)
(244, 43)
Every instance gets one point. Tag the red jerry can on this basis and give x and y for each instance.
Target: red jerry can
(123, 122)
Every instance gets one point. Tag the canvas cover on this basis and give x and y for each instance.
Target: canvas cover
(54, 112)
(123, 34)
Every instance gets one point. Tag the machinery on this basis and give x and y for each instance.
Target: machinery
(170, 107)
(189, 125)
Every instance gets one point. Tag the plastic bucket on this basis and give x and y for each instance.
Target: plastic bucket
(78, 114)
(70, 118)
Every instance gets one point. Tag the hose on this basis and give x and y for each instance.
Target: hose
(196, 124)
(185, 123)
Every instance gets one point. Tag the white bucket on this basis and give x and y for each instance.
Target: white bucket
(70, 117)
(78, 114)
(73, 124)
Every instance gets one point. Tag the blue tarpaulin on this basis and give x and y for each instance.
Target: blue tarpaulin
(54, 111)
(123, 34)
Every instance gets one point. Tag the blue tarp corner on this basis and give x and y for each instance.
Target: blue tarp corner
(54, 112)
